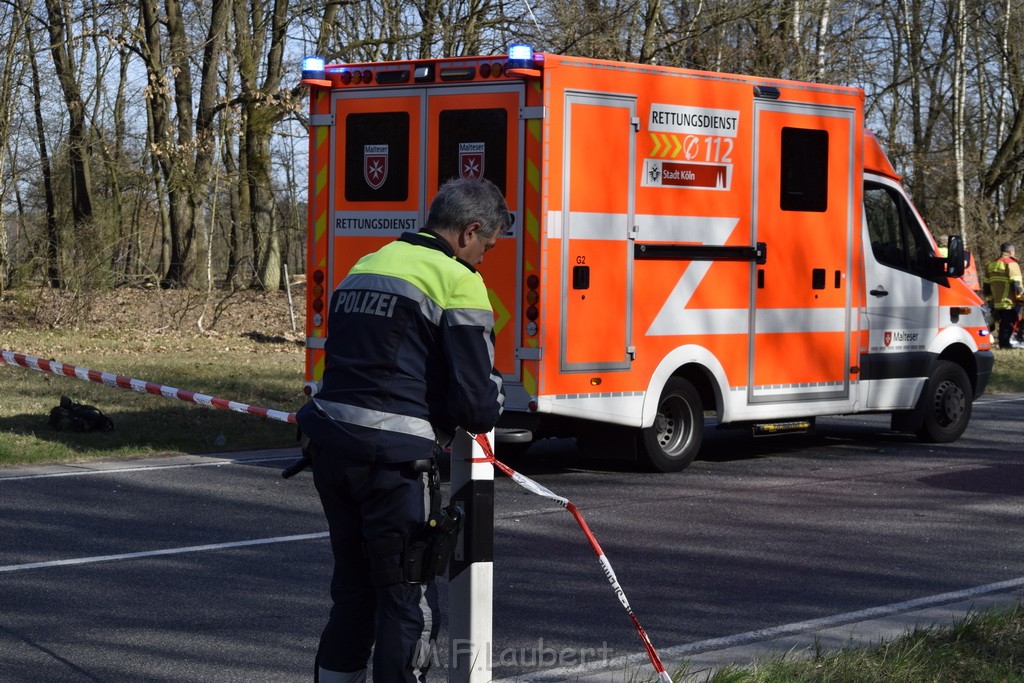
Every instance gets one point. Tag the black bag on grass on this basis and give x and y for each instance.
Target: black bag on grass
(79, 417)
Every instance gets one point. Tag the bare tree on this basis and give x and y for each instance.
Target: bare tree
(13, 21)
(53, 237)
(1002, 178)
(260, 32)
(958, 14)
(66, 68)
(187, 169)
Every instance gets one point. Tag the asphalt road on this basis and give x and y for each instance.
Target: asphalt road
(199, 570)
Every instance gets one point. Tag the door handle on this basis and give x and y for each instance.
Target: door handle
(879, 291)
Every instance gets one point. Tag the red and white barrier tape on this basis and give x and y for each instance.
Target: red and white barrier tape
(55, 368)
(143, 387)
(540, 490)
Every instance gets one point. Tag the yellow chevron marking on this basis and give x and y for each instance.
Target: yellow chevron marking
(678, 146)
(321, 179)
(501, 314)
(532, 226)
(533, 128)
(532, 174)
(666, 140)
(320, 226)
(657, 145)
(529, 382)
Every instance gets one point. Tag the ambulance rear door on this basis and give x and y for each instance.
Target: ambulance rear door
(392, 148)
(376, 159)
(476, 131)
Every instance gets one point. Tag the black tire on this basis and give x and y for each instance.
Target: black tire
(672, 442)
(511, 442)
(946, 404)
(511, 451)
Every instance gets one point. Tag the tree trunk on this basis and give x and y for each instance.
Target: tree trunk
(266, 245)
(53, 238)
(238, 197)
(650, 40)
(959, 105)
(61, 40)
(822, 40)
(9, 79)
(262, 110)
(171, 148)
(158, 190)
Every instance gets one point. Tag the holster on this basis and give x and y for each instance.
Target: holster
(426, 549)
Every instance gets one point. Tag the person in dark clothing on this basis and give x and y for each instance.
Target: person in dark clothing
(409, 358)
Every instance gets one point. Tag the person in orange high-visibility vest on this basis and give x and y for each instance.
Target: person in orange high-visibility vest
(970, 276)
(1004, 288)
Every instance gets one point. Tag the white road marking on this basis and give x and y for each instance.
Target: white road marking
(999, 400)
(771, 633)
(156, 553)
(144, 468)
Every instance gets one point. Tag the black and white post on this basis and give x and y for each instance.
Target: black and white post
(471, 573)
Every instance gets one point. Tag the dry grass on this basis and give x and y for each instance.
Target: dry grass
(983, 647)
(1008, 373)
(250, 356)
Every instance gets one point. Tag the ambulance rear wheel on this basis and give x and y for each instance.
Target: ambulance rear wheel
(671, 443)
(947, 404)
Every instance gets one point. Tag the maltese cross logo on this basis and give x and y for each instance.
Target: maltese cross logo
(375, 165)
(471, 160)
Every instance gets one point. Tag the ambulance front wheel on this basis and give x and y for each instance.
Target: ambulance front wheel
(671, 443)
(947, 404)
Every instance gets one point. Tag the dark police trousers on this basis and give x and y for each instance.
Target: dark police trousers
(364, 503)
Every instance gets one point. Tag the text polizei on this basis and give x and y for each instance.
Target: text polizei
(366, 301)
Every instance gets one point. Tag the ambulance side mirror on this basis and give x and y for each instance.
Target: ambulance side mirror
(955, 263)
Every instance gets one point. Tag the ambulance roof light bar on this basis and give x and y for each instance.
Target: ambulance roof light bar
(314, 71)
(313, 67)
(523, 62)
(520, 56)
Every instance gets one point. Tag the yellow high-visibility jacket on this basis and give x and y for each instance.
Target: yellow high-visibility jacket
(1003, 283)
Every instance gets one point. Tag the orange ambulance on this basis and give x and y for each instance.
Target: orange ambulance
(685, 242)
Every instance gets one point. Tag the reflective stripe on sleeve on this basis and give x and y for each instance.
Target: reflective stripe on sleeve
(471, 317)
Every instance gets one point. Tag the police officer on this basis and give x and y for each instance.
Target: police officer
(409, 357)
(1005, 289)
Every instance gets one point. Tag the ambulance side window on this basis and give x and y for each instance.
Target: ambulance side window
(377, 157)
(472, 143)
(804, 172)
(896, 237)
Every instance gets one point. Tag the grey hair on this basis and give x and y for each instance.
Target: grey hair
(1007, 247)
(462, 201)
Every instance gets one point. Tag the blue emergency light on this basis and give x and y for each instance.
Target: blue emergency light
(520, 57)
(313, 68)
